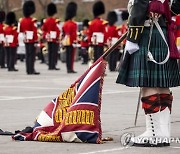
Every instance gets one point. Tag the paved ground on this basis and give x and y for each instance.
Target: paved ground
(22, 97)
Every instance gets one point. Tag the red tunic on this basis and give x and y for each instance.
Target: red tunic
(11, 31)
(1, 32)
(70, 29)
(178, 26)
(121, 30)
(97, 25)
(49, 27)
(111, 33)
(28, 24)
(84, 40)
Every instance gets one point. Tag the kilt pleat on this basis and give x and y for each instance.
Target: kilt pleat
(137, 71)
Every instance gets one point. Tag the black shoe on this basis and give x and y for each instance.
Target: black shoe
(3, 67)
(71, 71)
(36, 73)
(15, 70)
(56, 68)
(10, 69)
(83, 63)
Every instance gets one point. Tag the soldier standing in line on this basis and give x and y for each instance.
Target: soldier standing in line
(28, 27)
(97, 30)
(112, 37)
(84, 41)
(70, 35)
(121, 30)
(51, 33)
(2, 52)
(11, 40)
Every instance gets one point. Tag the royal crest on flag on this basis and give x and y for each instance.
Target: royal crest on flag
(73, 116)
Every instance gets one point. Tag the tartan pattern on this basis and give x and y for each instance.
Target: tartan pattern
(137, 71)
(151, 104)
(166, 101)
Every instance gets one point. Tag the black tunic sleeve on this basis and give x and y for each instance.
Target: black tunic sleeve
(176, 7)
(136, 20)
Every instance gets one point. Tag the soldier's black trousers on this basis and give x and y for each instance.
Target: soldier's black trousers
(30, 57)
(69, 58)
(98, 51)
(2, 56)
(11, 57)
(52, 54)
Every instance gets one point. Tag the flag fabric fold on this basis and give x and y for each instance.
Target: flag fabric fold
(73, 116)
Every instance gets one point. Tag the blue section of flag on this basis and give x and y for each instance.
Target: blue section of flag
(92, 95)
(87, 137)
(80, 82)
(36, 125)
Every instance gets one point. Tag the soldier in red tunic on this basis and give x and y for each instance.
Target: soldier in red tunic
(177, 33)
(70, 35)
(123, 27)
(11, 40)
(51, 33)
(112, 37)
(97, 30)
(2, 53)
(84, 41)
(28, 27)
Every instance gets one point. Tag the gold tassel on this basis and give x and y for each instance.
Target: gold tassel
(136, 33)
(131, 32)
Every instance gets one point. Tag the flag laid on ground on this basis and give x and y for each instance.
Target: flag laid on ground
(74, 116)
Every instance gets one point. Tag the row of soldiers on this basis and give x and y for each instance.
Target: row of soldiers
(96, 35)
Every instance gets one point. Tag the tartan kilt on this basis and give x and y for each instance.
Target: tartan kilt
(137, 71)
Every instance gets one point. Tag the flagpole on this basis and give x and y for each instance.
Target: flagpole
(109, 50)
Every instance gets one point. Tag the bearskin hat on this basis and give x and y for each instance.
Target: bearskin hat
(124, 15)
(10, 18)
(2, 16)
(85, 22)
(51, 9)
(71, 10)
(29, 8)
(98, 8)
(112, 17)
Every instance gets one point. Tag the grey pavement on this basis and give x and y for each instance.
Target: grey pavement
(22, 97)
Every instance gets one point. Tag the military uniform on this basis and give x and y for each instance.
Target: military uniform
(84, 41)
(138, 71)
(2, 52)
(97, 30)
(112, 36)
(11, 41)
(51, 33)
(70, 36)
(28, 27)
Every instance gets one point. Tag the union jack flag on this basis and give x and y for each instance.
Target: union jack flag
(73, 116)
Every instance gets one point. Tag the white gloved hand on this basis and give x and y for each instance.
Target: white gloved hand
(131, 47)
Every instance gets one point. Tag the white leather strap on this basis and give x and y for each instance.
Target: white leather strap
(150, 56)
